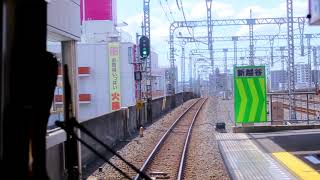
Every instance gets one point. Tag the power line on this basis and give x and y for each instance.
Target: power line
(184, 17)
(170, 10)
(178, 4)
(165, 12)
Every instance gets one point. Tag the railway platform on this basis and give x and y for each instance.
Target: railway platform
(244, 160)
(292, 154)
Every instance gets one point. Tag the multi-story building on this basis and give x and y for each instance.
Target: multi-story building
(94, 80)
(315, 76)
(94, 61)
(97, 85)
(222, 81)
(158, 77)
(278, 79)
(102, 66)
(302, 72)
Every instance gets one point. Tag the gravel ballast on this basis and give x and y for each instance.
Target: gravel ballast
(204, 159)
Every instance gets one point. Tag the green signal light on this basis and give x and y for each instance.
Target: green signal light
(144, 45)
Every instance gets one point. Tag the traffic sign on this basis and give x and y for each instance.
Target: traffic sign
(144, 46)
(250, 94)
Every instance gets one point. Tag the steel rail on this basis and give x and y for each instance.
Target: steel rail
(161, 141)
(186, 144)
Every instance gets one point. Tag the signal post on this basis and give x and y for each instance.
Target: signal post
(144, 52)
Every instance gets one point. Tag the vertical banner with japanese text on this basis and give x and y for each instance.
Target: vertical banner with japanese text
(250, 94)
(114, 75)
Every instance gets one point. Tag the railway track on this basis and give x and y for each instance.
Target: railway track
(167, 159)
(300, 100)
(302, 110)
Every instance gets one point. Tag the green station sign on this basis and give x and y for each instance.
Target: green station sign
(250, 94)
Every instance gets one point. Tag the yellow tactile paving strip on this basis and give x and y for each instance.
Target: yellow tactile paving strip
(297, 166)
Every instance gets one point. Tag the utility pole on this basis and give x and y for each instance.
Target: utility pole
(146, 20)
(282, 48)
(210, 43)
(172, 75)
(271, 42)
(315, 64)
(301, 32)
(199, 84)
(308, 36)
(190, 72)
(194, 76)
(225, 51)
(251, 22)
(235, 51)
(291, 75)
(183, 59)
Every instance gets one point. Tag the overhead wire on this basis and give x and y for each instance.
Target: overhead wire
(197, 43)
(165, 12)
(178, 4)
(181, 8)
(170, 11)
(184, 17)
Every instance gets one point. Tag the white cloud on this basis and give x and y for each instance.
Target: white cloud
(300, 9)
(134, 23)
(219, 10)
(223, 9)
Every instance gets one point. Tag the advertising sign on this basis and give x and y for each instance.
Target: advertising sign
(96, 9)
(114, 75)
(250, 94)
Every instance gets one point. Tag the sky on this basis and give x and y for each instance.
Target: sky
(164, 12)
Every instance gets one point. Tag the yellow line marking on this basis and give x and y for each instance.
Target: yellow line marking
(297, 166)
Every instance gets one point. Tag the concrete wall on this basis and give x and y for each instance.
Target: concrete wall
(111, 128)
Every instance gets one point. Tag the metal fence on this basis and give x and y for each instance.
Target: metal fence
(306, 107)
